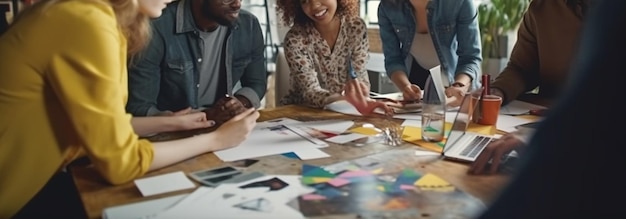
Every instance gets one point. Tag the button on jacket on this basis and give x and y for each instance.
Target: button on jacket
(453, 26)
(165, 76)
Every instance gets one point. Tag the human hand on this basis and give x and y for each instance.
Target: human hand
(192, 120)
(237, 129)
(357, 94)
(411, 92)
(224, 109)
(454, 95)
(494, 151)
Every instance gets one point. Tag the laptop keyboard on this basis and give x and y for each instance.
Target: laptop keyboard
(476, 146)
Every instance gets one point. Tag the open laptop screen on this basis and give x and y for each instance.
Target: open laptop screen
(462, 119)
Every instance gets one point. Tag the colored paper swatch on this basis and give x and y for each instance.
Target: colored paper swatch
(307, 180)
(311, 197)
(316, 171)
(355, 173)
(365, 131)
(377, 171)
(431, 182)
(338, 182)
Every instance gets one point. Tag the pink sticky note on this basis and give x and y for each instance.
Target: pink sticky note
(407, 187)
(337, 182)
(311, 197)
(356, 173)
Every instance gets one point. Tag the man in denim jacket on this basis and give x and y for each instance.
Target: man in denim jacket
(199, 50)
(420, 34)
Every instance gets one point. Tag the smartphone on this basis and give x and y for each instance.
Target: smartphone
(213, 176)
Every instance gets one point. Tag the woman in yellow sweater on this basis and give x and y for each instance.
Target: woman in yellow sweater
(63, 88)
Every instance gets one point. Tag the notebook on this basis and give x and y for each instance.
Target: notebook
(462, 145)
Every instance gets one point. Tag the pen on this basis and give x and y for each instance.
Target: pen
(486, 80)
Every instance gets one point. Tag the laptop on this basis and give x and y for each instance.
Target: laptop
(462, 145)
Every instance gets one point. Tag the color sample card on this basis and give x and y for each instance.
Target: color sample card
(163, 183)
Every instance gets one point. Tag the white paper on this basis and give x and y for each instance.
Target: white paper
(269, 140)
(308, 153)
(344, 107)
(412, 116)
(517, 107)
(309, 134)
(221, 201)
(412, 122)
(141, 210)
(342, 139)
(508, 123)
(163, 183)
(274, 122)
(426, 153)
(332, 126)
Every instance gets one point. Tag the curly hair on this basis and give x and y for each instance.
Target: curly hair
(292, 13)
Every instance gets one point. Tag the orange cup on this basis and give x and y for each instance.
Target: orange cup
(487, 112)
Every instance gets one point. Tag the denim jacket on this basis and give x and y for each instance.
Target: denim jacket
(453, 26)
(165, 75)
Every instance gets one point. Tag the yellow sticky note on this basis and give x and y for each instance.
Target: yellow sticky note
(414, 135)
(482, 129)
(377, 171)
(321, 179)
(432, 182)
(365, 131)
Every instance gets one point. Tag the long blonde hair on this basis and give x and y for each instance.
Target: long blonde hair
(134, 25)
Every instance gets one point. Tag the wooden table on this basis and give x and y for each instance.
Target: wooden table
(97, 194)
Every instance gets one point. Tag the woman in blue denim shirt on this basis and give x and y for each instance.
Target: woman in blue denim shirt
(422, 34)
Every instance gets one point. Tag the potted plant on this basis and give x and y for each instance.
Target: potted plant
(496, 19)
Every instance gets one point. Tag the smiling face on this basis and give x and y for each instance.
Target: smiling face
(223, 14)
(319, 11)
(152, 8)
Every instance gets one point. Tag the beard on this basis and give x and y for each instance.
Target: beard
(208, 14)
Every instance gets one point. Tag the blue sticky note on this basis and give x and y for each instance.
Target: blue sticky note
(291, 155)
(306, 168)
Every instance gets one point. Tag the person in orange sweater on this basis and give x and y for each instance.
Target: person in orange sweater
(63, 91)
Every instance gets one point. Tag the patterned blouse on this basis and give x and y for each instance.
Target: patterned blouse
(316, 70)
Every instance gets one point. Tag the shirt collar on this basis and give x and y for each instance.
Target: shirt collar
(185, 21)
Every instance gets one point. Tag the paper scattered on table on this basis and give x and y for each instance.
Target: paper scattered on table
(426, 153)
(412, 122)
(263, 197)
(271, 138)
(344, 107)
(342, 139)
(142, 210)
(517, 107)
(163, 183)
(309, 153)
(333, 126)
(508, 123)
(309, 134)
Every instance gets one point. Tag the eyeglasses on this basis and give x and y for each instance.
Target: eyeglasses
(228, 2)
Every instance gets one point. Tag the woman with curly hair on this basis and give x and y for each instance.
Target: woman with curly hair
(418, 35)
(326, 48)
